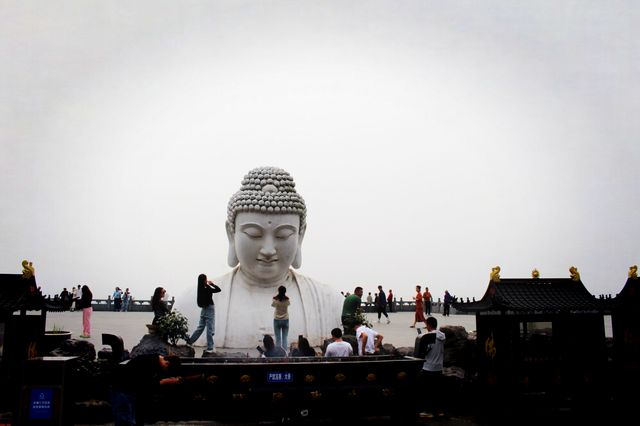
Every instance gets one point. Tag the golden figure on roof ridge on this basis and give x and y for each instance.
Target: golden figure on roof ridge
(28, 270)
(575, 275)
(535, 274)
(633, 272)
(495, 274)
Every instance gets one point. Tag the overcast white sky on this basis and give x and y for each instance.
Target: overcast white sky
(431, 140)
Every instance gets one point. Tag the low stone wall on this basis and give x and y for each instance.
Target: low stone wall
(134, 306)
(407, 306)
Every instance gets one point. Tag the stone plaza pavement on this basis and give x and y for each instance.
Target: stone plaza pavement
(131, 326)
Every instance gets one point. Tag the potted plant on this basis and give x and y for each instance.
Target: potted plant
(173, 327)
(52, 339)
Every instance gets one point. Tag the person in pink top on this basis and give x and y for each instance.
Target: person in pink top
(85, 305)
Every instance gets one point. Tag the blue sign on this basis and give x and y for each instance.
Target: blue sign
(279, 377)
(41, 403)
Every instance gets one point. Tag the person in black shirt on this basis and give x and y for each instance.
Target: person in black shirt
(85, 304)
(159, 306)
(207, 314)
(270, 349)
(304, 348)
(381, 304)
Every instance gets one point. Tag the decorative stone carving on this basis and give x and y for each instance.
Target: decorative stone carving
(575, 275)
(266, 223)
(28, 270)
(495, 274)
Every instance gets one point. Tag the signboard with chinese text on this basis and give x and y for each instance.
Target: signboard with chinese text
(279, 377)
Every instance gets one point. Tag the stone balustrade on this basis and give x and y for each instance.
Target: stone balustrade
(400, 305)
(136, 305)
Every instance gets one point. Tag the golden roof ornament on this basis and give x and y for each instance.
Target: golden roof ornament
(28, 270)
(495, 274)
(575, 275)
(535, 274)
(633, 272)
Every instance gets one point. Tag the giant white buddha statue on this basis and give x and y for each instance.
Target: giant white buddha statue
(266, 223)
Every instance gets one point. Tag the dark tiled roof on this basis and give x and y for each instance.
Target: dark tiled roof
(18, 293)
(550, 295)
(629, 296)
(55, 305)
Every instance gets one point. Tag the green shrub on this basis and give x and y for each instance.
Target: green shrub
(172, 327)
(362, 317)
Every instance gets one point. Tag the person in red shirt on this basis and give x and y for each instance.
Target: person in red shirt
(426, 298)
(419, 308)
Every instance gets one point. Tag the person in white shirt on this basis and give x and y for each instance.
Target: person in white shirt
(369, 340)
(431, 375)
(74, 298)
(370, 299)
(338, 347)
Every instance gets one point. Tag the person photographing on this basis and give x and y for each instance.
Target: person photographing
(206, 289)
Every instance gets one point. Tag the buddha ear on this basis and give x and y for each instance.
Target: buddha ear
(232, 257)
(297, 260)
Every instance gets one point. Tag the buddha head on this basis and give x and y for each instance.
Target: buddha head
(266, 222)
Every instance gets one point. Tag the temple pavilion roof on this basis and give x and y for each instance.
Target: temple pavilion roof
(17, 293)
(534, 295)
(629, 296)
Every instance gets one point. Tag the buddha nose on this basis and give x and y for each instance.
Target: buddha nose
(268, 249)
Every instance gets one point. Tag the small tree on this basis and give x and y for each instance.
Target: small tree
(362, 317)
(350, 322)
(173, 326)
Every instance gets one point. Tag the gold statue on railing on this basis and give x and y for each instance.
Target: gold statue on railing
(535, 274)
(28, 270)
(495, 274)
(575, 275)
(633, 272)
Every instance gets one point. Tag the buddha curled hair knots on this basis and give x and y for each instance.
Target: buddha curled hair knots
(267, 190)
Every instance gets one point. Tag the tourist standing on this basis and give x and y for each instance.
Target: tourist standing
(204, 297)
(369, 340)
(349, 309)
(159, 306)
(426, 298)
(419, 317)
(126, 300)
(79, 293)
(281, 317)
(65, 298)
(117, 299)
(74, 298)
(381, 304)
(390, 300)
(338, 347)
(430, 376)
(369, 299)
(85, 304)
(447, 303)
